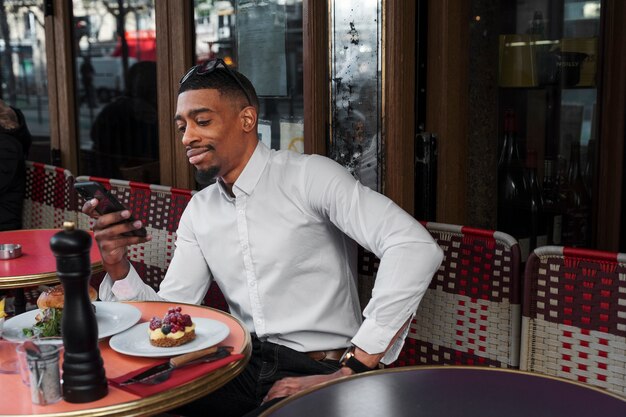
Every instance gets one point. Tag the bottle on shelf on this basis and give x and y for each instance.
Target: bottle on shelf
(538, 226)
(537, 25)
(577, 215)
(514, 215)
(552, 202)
(588, 170)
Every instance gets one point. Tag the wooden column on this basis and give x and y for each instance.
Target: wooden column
(174, 56)
(612, 133)
(447, 103)
(398, 106)
(316, 69)
(61, 91)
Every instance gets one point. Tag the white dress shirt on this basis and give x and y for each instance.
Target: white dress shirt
(280, 254)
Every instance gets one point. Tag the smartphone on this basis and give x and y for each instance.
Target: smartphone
(107, 203)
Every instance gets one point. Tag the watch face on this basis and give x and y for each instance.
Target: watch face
(346, 355)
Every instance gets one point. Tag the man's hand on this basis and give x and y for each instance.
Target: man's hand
(108, 234)
(289, 386)
(8, 118)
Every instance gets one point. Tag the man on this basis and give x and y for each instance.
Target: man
(15, 142)
(277, 231)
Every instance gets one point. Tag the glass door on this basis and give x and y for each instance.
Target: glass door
(23, 69)
(547, 79)
(114, 49)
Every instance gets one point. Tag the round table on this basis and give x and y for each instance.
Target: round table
(119, 402)
(450, 391)
(37, 265)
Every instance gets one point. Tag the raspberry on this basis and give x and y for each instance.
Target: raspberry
(155, 323)
(187, 320)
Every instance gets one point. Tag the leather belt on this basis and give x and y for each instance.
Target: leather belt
(326, 355)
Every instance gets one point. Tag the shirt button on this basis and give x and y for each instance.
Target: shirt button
(259, 321)
(240, 211)
(252, 283)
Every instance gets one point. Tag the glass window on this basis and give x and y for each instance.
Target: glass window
(23, 66)
(355, 94)
(262, 40)
(116, 89)
(543, 57)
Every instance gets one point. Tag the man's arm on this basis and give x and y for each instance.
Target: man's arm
(289, 386)
(409, 258)
(187, 277)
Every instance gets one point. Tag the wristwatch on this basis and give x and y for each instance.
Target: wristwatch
(350, 361)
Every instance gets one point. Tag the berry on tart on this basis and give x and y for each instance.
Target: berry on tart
(174, 329)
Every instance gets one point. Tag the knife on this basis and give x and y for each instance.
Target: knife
(204, 355)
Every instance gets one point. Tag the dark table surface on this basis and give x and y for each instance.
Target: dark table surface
(451, 391)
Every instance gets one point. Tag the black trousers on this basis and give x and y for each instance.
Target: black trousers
(243, 395)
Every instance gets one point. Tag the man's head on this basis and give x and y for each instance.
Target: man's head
(215, 74)
(217, 117)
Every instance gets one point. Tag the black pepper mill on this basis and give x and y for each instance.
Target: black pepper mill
(83, 371)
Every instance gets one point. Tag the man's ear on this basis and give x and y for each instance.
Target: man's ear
(248, 118)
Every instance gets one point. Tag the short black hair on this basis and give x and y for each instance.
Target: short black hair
(222, 81)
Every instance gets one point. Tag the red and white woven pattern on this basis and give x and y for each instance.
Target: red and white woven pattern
(49, 199)
(160, 208)
(466, 325)
(471, 312)
(574, 319)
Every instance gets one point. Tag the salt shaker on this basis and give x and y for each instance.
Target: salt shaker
(84, 379)
(43, 373)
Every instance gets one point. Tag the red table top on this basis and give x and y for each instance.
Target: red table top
(37, 260)
(121, 403)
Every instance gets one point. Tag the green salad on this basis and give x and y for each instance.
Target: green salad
(48, 324)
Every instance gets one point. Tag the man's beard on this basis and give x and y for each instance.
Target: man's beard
(207, 176)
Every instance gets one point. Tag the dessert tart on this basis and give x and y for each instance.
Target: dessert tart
(174, 329)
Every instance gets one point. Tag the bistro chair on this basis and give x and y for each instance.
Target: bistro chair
(50, 198)
(470, 314)
(574, 316)
(160, 208)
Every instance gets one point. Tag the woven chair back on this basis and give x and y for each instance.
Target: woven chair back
(574, 316)
(50, 198)
(471, 313)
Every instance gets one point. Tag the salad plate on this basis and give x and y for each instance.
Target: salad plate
(112, 318)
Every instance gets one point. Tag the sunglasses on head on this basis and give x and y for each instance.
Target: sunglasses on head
(210, 66)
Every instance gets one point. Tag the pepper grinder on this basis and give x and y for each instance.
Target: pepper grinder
(84, 379)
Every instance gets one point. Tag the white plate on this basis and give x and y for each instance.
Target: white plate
(112, 318)
(136, 341)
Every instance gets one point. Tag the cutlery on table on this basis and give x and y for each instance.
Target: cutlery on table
(160, 373)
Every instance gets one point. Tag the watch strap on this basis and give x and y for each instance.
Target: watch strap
(356, 365)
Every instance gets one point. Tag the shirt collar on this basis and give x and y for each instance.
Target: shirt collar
(251, 173)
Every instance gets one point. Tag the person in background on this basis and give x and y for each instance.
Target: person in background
(277, 232)
(15, 140)
(87, 72)
(125, 132)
